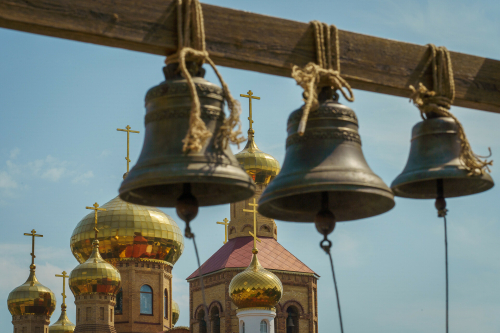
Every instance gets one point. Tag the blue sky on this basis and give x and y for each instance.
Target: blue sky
(61, 102)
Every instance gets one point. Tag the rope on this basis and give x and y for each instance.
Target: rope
(324, 73)
(438, 102)
(446, 265)
(326, 247)
(192, 47)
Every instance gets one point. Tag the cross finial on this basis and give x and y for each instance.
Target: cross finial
(64, 276)
(96, 208)
(128, 130)
(225, 223)
(33, 234)
(254, 234)
(250, 96)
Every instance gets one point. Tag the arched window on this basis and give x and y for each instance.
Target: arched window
(202, 322)
(119, 302)
(165, 304)
(215, 318)
(146, 300)
(263, 326)
(292, 320)
(242, 327)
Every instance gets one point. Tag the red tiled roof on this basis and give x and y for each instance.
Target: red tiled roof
(237, 253)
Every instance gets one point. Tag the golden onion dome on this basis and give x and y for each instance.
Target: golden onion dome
(255, 287)
(95, 276)
(260, 166)
(63, 325)
(31, 298)
(175, 312)
(128, 231)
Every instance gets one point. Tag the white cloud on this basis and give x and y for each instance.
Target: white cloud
(83, 178)
(14, 152)
(6, 181)
(49, 169)
(53, 174)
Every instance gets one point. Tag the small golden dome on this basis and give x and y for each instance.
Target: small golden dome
(63, 325)
(95, 276)
(175, 312)
(255, 287)
(260, 166)
(128, 231)
(31, 298)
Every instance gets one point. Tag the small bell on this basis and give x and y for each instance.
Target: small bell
(325, 169)
(164, 175)
(434, 155)
(289, 322)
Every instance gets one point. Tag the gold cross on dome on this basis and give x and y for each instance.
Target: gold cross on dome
(128, 130)
(64, 276)
(33, 234)
(96, 208)
(250, 96)
(254, 234)
(225, 223)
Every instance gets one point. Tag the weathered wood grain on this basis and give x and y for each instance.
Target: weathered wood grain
(249, 41)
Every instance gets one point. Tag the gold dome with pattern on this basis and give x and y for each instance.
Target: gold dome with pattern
(31, 298)
(260, 166)
(95, 276)
(128, 231)
(255, 287)
(63, 325)
(175, 312)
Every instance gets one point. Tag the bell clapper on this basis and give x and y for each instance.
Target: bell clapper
(325, 223)
(187, 208)
(324, 220)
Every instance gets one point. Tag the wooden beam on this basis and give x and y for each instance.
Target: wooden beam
(250, 41)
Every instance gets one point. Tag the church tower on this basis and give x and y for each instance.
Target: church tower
(255, 292)
(143, 243)
(63, 324)
(297, 310)
(95, 284)
(31, 304)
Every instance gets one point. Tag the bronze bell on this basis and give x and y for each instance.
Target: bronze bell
(325, 169)
(435, 155)
(163, 174)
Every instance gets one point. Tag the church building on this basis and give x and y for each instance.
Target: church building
(297, 310)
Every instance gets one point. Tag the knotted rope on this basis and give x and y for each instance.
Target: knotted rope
(192, 47)
(438, 102)
(325, 73)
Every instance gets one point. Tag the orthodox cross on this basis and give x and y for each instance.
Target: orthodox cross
(64, 276)
(33, 234)
(254, 211)
(95, 208)
(225, 223)
(128, 130)
(250, 96)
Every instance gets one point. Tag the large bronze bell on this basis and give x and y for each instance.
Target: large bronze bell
(163, 174)
(325, 169)
(435, 155)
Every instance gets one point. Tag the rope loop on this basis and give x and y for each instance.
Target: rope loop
(324, 73)
(437, 102)
(192, 47)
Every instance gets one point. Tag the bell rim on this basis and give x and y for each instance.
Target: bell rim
(267, 207)
(239, 189)
(449, 173)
